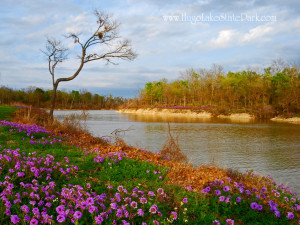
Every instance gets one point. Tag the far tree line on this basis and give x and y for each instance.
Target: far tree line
(37, 97)
(274, 90)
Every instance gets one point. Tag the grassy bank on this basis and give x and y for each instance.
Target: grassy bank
(6, 111)
(49, 175)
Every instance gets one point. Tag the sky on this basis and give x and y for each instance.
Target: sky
(169, 37)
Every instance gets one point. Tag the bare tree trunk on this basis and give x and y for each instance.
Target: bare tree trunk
(55, 85)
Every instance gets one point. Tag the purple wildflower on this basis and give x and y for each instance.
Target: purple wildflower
(92, 209)
(98, 219)
(60, 209)
(253, 205)
(227, 199)
(151, 193)
(290, 215)
(226, 188)
(221, 198)
(8, 204)
(114, 205)
(77, 215)
(35, 211)
(61, 218)
(14, 219)
(185, 200)
(34, 222)
(133, 204)
(120, 188)
(90, 201)
(259, 207)
(140, 212)
(189, 188)
(264, 189)
(7, 212)
(27, 218)
(207, 189)
(174, 215)
(153, 209)
(229, 222)
(160, 191)
(143, 200)
(25, 208)
(119, 213)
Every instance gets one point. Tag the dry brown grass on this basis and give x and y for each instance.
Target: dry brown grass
(72, 124)
(31, 115)
(75, 124)
(171, 149)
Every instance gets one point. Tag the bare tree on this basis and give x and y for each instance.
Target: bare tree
(106, 36)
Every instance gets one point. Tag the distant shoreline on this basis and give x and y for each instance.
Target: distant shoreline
(187, 113)
(245, 117)
(295, 120)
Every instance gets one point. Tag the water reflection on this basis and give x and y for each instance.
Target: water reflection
(265, 147)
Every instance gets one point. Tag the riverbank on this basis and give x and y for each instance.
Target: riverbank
(187, 113)
(294, 120)
(234, 117)
(168, 112)
(127, 185)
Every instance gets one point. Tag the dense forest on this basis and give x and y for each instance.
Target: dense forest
(38, 97)
(265, 92)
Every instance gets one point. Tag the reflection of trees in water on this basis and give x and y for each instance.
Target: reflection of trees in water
(166, 118)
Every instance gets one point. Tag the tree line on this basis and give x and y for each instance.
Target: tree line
(38, 97)
(274, 90)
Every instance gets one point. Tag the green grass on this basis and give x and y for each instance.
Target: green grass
(6, 111)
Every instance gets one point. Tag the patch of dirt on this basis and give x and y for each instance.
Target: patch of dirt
(10, 142)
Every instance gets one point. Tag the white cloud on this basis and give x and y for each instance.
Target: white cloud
(225, 38)
(258, 33)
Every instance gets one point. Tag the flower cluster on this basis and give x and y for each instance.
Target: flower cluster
(233, 193)
(157, 173)
(33, 131)
(29, 184)
(27, 129)
(186, 107)
(113, 157)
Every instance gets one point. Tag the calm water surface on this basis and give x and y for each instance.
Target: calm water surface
(265, 147)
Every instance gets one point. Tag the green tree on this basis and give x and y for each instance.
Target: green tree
(149, 92)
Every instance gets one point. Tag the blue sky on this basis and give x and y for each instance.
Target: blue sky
(205, 33)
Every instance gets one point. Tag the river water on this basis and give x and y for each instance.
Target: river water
(264, 147)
